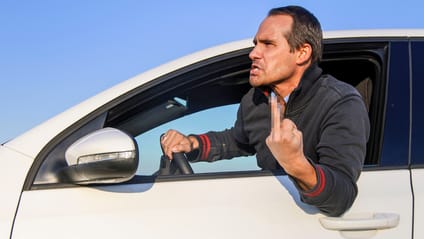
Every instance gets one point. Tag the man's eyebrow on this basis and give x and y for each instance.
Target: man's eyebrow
(265, 40)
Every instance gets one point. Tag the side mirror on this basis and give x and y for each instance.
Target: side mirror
(107, 155)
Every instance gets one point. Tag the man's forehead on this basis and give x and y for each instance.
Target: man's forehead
(272, 31)
(267, 36)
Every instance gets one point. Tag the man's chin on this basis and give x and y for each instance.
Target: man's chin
(255, 82)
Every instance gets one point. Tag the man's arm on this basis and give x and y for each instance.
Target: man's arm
(209, 147)
(332, 186)
(341, 153)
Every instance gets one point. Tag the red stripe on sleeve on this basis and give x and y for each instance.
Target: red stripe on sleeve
(203, 146)
(206, 146)
(321, 185)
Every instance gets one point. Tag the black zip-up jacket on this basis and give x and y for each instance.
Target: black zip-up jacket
(334, 121)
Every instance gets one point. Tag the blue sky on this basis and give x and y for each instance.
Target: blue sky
(54, 54)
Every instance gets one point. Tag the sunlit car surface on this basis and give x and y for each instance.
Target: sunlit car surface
(95, 171)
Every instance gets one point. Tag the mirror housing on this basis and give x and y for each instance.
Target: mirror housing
(107, 155)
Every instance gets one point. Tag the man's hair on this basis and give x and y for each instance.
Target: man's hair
(305, 29)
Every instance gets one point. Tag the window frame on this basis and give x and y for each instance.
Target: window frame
(161, 86)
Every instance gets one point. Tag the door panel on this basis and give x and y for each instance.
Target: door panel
(417, 183)
(245, 207)
(386, 191)
(12, 176)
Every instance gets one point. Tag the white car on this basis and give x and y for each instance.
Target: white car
(95, 171)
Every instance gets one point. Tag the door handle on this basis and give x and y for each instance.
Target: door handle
(361, 222)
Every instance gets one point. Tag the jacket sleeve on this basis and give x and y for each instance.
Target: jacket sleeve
(215, 146)
(224, 144)
(341, 152)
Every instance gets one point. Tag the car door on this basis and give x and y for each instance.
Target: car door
(232, 198)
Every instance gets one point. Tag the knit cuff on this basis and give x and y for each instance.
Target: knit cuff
(319, 187)
(202, 153)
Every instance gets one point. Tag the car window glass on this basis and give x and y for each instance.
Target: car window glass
(417, 97)
(214, 119)
(396, 124)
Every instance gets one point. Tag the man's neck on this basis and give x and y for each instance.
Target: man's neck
(284, 89)
(287, 86)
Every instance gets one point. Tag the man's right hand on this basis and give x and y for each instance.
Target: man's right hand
(175, 142)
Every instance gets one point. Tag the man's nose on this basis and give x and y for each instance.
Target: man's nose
(254, 54)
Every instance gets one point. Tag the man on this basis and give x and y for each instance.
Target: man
(319, 125)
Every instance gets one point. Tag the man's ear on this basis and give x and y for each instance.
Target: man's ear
(304, 54)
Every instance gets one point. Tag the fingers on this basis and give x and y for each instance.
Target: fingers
(173, 141)
(288, 126)
(275, 117)
(168, 142)
(287, 130)
(289, 144)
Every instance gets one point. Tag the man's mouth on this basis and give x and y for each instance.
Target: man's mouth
(254, 69)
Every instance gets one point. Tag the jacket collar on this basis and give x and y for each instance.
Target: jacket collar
(301, 93)
(309, 78)
(305, 90)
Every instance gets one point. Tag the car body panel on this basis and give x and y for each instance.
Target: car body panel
(417, 183)
(245, 207)
(210, 205)
(12, 176)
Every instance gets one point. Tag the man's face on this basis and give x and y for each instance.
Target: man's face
(272, 61)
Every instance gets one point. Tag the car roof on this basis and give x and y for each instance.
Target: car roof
(374, 33)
